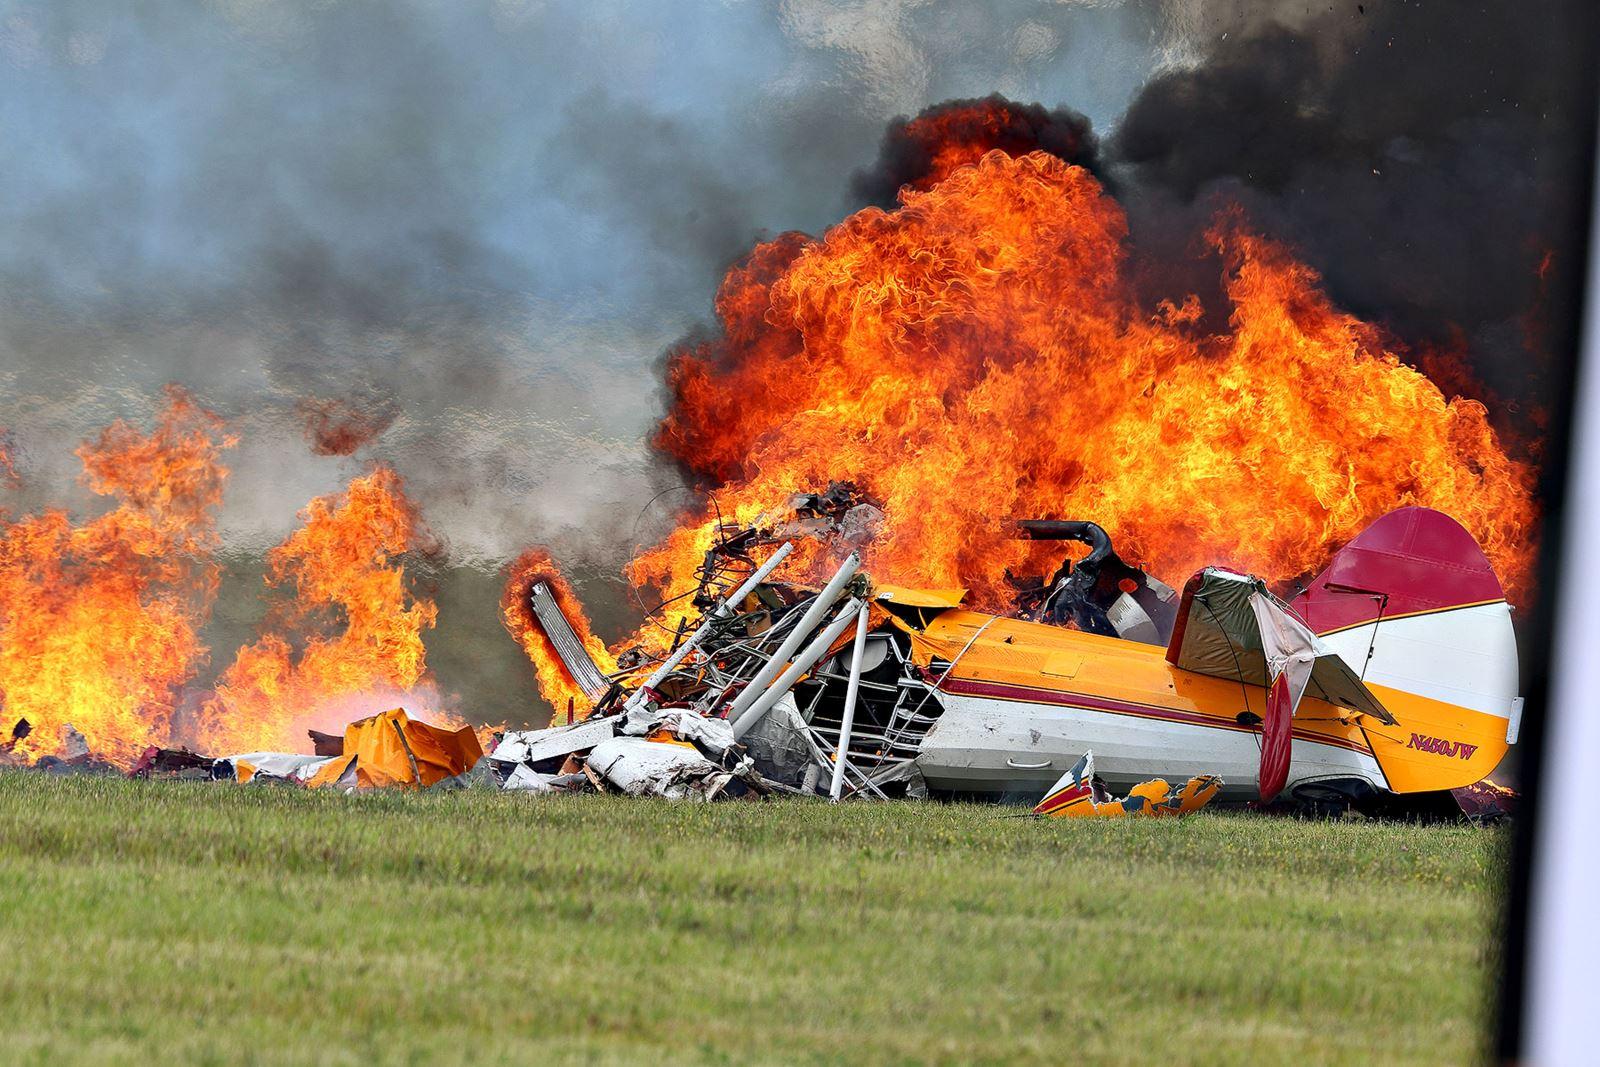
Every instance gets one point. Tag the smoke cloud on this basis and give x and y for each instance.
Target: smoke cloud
(911, 149)
(1420, 156)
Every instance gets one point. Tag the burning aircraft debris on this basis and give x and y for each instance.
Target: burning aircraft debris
(862, 688)
(984, 348)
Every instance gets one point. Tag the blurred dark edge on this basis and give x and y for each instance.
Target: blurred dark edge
(1582, 45)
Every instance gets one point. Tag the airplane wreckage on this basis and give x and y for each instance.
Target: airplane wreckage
(1391, 677)
(1388, 684)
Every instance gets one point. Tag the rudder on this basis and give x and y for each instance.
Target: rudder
(1414, 607)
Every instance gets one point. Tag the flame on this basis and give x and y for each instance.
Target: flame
(99, 620)
(959, 133)
(345, 568)
(979, 353)
(555, 684)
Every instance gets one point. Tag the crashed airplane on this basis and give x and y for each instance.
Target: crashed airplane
(1394, 672)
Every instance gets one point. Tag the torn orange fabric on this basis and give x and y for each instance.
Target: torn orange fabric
(392, 749)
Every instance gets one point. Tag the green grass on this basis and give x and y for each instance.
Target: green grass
(147, 922)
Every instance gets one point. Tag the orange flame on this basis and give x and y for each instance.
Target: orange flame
(979, 354)
(345, 567)
(555, 684)
(99, 621)
(339, 426)
(960, 133)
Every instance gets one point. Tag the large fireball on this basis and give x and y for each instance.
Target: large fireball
(980, 354)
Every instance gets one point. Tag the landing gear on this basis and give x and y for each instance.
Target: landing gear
(1332, 798)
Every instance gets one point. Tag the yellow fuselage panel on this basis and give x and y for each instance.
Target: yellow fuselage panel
(1434, 744)
(1020, 660)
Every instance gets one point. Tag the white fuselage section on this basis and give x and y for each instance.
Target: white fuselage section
(1466, 657)
(993, 746)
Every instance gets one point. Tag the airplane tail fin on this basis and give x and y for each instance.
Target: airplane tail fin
(1414, 607)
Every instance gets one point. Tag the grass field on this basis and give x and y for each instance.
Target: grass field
(206, 923)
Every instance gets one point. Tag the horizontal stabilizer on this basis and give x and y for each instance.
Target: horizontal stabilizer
(1230, 626)
(1227, 625)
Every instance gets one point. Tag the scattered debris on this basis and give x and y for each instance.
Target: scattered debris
(74, 746)
(270, 767)
(546, 750)
(844, 512)
(74, 757)
(674, 770)
(525, 779)
(673, 754)
(1080, 795)
(386, 750)
(1486, 801)
(393, 749)
(326, 744)
(19, 730)
(172, 763)
(9, 757)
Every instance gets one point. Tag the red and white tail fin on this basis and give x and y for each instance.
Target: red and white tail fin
(1413, 606)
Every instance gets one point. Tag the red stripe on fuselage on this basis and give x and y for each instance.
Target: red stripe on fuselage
(1085, 702)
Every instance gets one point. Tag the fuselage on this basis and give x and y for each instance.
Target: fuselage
(1023, 701)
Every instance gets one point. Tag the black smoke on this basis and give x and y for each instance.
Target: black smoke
(1422, 157)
